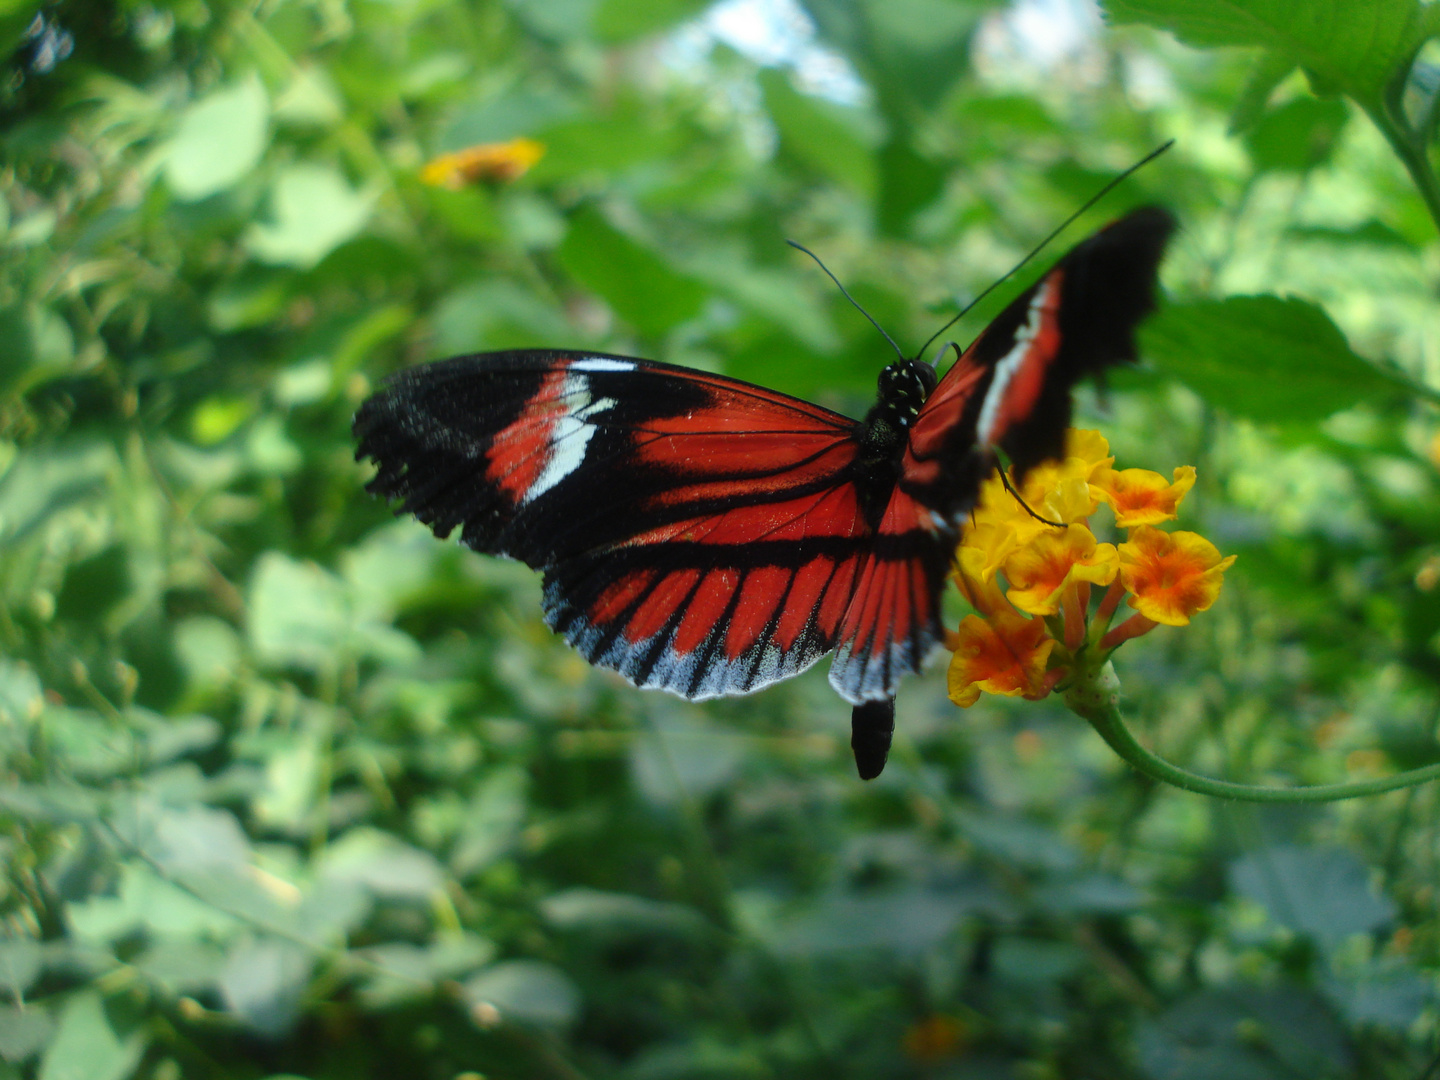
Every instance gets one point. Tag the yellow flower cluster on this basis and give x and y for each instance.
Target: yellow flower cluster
(1030, 581)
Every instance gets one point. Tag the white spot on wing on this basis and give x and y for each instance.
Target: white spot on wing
(1010, 363)
(599, 363)
(571, 433)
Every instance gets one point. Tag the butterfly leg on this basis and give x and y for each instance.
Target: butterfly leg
(872, 723)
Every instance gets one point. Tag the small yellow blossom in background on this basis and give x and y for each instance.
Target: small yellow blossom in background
(503, 161)
(1030, 581)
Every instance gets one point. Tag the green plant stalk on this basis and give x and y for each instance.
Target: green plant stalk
(1095, 696)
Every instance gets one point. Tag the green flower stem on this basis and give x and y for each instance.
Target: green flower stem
(1095, 695)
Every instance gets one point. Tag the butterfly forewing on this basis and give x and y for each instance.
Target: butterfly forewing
(1011, 388)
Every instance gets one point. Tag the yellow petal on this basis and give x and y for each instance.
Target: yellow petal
(1039, 572)
(486, 161)
(1069, 501)
(1090, 447)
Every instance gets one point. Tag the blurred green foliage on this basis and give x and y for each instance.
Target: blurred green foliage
(290, 789)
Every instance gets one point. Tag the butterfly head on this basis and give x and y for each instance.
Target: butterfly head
(904, 386)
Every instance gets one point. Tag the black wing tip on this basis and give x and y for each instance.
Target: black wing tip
(872, 726)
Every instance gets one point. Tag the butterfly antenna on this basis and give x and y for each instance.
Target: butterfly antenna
(1043, 243)
(832, 277)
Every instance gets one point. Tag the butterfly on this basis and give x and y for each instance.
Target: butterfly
(707, 536)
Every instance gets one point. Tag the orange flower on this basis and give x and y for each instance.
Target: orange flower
(934, 1038)
(1005, 655)
(487, 161)
(1171, 575)
(1142, 497)
(1040, 571)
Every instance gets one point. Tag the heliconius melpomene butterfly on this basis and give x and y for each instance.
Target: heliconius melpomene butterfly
(707, 536)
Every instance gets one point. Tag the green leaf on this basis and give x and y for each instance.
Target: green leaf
(817, 134)
(21, 697)
(411, 971)
(561, 20)
(297, 613)
(147, 902)
(620, 915)
(1345, 46)
(643, 289)
(705, 1058)
(522, 111)
(913, 51)
(190, 838)
(908, 920)
(1298, 135)
(1035, 962)
(46, 479)
(95, 584)
(178, 966)
(263, 982)
(781, 297)
(908, 184)
(384, 865)
(1244, 1035)
(1370, 233)
(492, 821)
(252, 299)
(493, 314)
(87, 1047)
(622, 20)
(1263, 357)
(20, 963)
(24, 1031)
(219, 139)
(1387, 992)
(35, 345)
(16, 17)
(526, 991)
(685, 755)
(313, 211)
(613, 141)
(1324, 893)
(1268, 72)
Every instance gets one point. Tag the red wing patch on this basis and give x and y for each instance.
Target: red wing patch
(893, 620)
(1020, 374)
